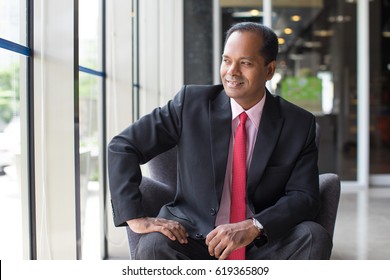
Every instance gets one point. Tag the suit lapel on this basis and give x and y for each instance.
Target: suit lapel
(267, 137)
(220, 130)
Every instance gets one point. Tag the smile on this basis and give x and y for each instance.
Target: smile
(234, 84)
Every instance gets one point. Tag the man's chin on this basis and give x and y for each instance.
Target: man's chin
(233, 93)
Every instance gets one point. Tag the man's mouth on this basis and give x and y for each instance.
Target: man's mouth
(234, 83)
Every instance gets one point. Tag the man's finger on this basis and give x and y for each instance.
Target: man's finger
(172, 229)
(210, 236)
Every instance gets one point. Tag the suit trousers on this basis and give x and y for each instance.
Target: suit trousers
(306, 241)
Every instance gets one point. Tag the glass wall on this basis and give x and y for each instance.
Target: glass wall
(316, 69)
(12, 88)
(10, 157)
(380, 89)
(11, 21)
(53, 65)
(90, 104)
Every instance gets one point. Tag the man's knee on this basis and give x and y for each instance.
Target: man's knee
(151, 245)
(156, 246)
(317, 237)
(316, 231)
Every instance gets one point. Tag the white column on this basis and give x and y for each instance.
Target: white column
(160, 52)
(217, 35)
(267, 13)
(363, 124)
(149, 62)
(267, 21)
(119, 108)
(363, 105)
(55, 70)
(171, 42)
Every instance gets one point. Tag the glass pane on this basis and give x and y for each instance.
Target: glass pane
(11, 78)
(12, 20)
(317, 71)
(90, 90)
(90, 34)
(380, 87)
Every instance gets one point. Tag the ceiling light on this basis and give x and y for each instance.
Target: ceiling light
(295, 18)
(288, 31)
(339, 19)
(281, 41)
(247, 14)
(323, 33)
(255, 13)
(312, 44)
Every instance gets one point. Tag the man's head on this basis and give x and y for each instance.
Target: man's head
(248, 61)
(269, 49)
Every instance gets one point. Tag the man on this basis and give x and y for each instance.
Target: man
(280, 195)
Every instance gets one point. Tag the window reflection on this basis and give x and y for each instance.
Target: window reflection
(317, 64)
(90, 91)
(90, 34)
(380, 88)
(316, 69)
(10, 21)
(10, 158)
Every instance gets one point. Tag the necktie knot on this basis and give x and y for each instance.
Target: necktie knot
(243, 117)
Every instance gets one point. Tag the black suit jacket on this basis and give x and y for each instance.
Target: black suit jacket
(282, 181)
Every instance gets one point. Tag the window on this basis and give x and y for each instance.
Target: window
(316, 70)
(91, 91)
(13, 129)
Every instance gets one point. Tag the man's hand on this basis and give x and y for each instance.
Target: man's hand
(171, 229)
(224, 239)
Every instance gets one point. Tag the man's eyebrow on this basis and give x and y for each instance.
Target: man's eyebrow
(243, 57)
(248, 57)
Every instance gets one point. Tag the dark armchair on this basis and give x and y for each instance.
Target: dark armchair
(159, 189)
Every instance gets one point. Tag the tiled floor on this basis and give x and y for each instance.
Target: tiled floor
(363, 226)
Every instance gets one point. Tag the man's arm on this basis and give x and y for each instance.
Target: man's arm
(300, 201)
(137, 144)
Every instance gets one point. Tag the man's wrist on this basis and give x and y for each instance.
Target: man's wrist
(258, 226)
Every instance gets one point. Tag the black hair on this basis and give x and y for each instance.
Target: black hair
(270, 46)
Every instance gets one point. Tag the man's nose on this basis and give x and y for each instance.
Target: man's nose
(234, 69)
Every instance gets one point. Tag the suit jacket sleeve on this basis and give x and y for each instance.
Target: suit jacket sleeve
(133, 147)
(299, 200)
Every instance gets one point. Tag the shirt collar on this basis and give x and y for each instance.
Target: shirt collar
(253, 113)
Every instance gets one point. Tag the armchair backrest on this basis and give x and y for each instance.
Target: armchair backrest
(330, 196)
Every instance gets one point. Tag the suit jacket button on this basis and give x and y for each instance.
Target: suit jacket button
(213, 212)
(199, 235)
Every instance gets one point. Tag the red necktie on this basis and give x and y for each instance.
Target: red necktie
(238, 196)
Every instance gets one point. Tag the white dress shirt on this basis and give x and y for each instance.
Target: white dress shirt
(252, 127)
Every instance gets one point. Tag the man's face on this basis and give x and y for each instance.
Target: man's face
(243, 70)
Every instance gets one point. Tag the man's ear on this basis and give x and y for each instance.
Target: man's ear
(271, 69)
